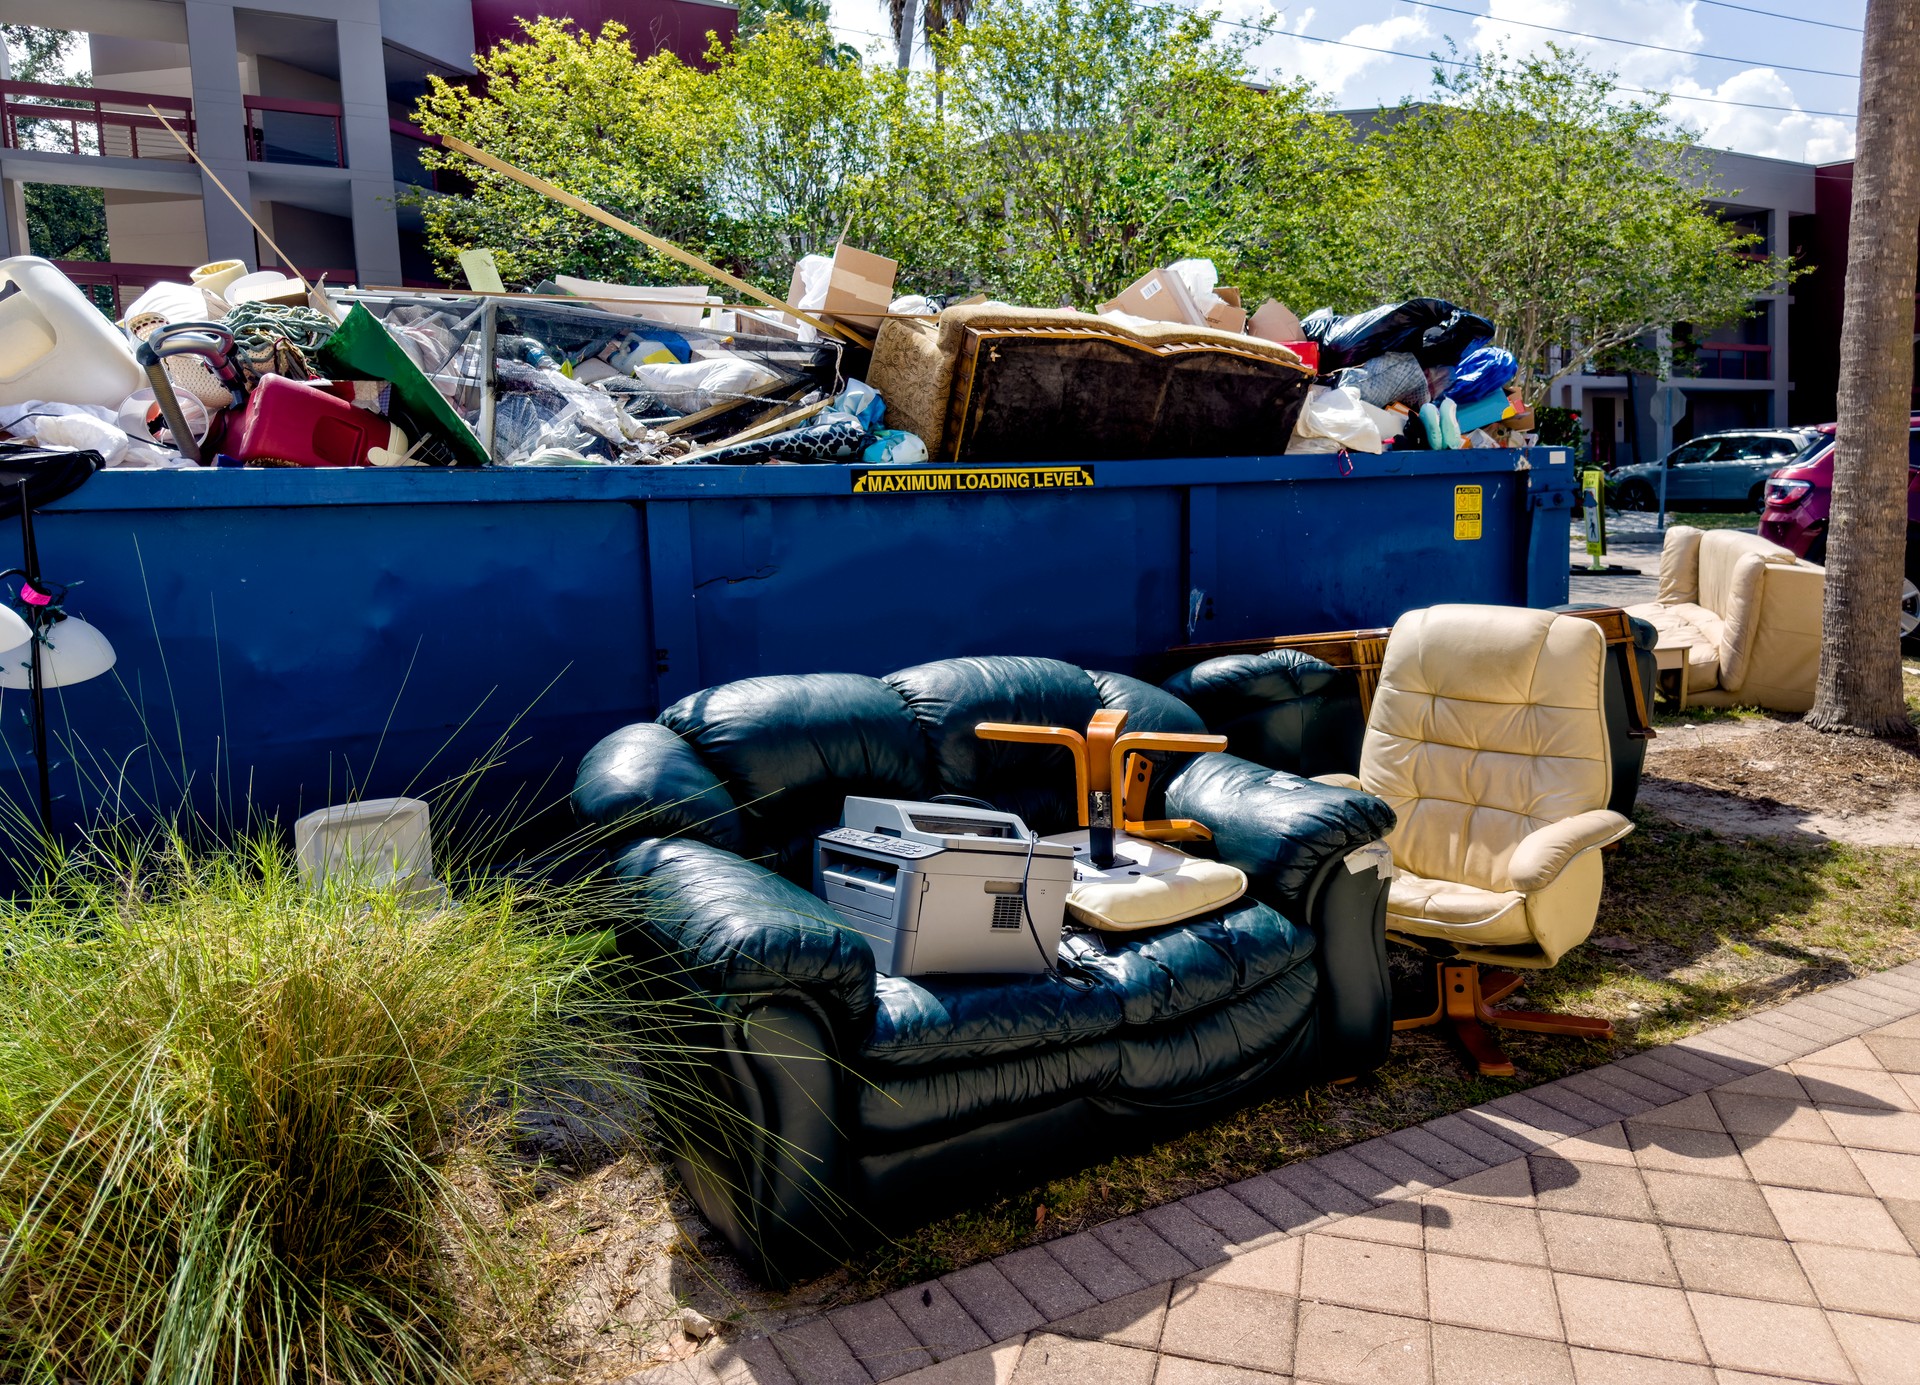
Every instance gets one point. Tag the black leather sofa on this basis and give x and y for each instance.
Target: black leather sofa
(820, 1104)
(1291, 711)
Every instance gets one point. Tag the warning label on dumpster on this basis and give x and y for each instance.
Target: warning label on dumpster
(1466, 512)
(904, 480)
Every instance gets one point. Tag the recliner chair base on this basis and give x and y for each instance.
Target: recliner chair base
(1466, 1001)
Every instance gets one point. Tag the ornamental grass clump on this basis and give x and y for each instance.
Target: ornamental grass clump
(234, 1113)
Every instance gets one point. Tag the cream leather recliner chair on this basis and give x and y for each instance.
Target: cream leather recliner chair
(1488, 739)
(1748, 614)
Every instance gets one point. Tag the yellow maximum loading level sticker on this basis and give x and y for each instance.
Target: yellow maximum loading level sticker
(1466, 512)
(915, 480)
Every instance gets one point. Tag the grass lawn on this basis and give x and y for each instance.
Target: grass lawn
(1698, 929)
(1715, 519)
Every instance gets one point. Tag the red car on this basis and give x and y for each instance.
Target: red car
(1795, 516)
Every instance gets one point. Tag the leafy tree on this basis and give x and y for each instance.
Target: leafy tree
(638, 138)
(807, 151)
(770, 156)
(1112, 137)
(1531, 193)
(757, 16)
(63, 223)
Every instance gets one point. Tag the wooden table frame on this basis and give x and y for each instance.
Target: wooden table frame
(1361, 652)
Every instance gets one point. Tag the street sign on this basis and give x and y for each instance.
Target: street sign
(1669, 406)
(1592, 497)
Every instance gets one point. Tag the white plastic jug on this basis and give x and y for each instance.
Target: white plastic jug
(55, 345)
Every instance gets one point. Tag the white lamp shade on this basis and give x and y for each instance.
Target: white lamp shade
(14, 633)
(72, 652)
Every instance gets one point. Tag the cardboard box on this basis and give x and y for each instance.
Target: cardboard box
(1275, 321)
(860, 288)
(1227, 315)
(1159, 296)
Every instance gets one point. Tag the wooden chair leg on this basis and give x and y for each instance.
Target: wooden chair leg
(1465, 1004)
(1497, 983)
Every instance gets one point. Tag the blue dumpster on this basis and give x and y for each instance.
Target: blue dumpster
(287, 638)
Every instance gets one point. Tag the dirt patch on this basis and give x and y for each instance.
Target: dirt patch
(617, 1254)
(1762, 777)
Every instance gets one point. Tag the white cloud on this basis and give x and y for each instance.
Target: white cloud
(1251, 12)
(1334, 69)
(1666, 23)
(1775, 134)
(1788, 134)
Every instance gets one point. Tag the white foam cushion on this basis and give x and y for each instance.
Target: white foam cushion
(1149, 885)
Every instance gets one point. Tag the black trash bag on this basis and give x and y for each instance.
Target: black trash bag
(48, 473)
(1434, 330)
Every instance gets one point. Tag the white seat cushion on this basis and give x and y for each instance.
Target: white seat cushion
(1693, 628)
(1447, 909)
(1149, 885)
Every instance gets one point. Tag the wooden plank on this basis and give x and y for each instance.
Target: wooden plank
(646, 238)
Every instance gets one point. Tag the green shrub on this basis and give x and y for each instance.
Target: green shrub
(231, 1111)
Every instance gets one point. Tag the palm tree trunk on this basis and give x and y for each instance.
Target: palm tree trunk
(1859, 687)
(903, 18)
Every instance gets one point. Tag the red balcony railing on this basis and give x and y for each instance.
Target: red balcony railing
(294, 132)
(92, 120)
(113, 287)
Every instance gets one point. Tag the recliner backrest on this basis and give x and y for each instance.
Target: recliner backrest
(1488, 723)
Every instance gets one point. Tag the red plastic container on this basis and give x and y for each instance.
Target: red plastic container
(287, 423)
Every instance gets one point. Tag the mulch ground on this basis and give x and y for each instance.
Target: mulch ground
(1800, 768)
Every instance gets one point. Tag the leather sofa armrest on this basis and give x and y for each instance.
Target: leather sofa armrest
(1305, 849)
(1277, 827)
(1543, 853)
(705, 921)
(644, 779)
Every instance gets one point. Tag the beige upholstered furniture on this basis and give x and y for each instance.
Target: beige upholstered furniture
(991, 383)
(1746, 612)
(1488, 739)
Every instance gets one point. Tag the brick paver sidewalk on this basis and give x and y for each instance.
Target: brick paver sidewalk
(1742, 1206)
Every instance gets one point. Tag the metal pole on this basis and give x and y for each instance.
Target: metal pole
(30, 561)
(489, 340)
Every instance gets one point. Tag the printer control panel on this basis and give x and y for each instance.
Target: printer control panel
(876, 841)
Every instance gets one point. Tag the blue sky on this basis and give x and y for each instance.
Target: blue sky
(1763, 49)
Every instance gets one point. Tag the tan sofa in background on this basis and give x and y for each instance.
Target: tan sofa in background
(1747, 614)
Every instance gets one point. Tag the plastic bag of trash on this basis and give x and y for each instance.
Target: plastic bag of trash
(1484, 369)
(1335, 419)
(700, 385)
(1434, 330)
(542, 410)
(1394, 378)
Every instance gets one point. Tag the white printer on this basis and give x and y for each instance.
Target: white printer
(943, 887)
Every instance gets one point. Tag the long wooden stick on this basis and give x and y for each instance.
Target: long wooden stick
(590, 298)
(285, 258)
(646, 238)
(765, 428)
